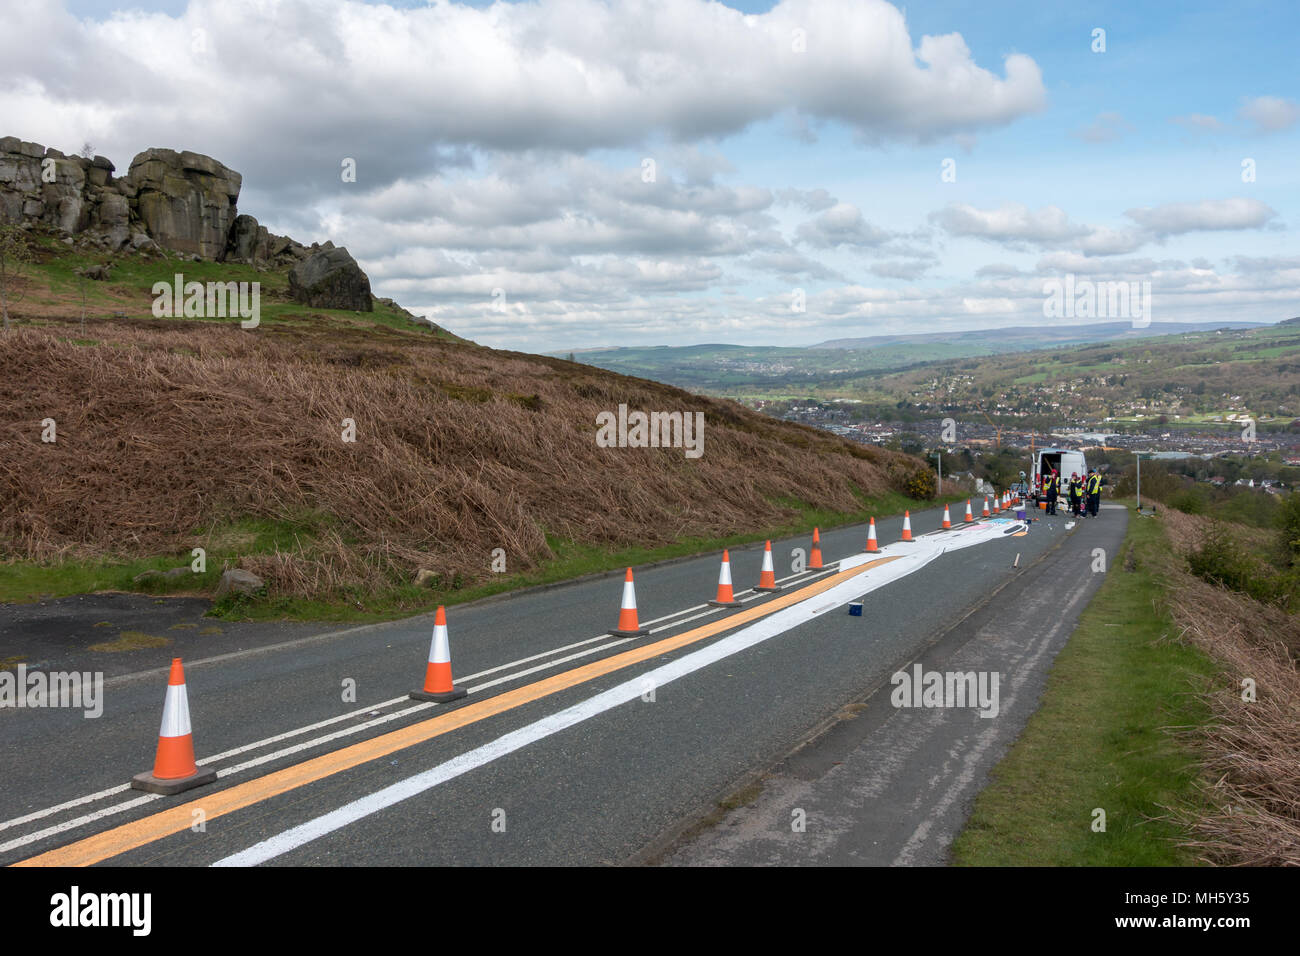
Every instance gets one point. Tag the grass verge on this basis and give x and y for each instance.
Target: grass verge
(1101, 737)
(22, 582)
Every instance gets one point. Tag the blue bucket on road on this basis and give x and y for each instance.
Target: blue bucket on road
(855, 610)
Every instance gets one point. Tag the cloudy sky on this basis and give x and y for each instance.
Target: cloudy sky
(573, 173)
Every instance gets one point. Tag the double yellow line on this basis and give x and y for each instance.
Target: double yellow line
(130, 836)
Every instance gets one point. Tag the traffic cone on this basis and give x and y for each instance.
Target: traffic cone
(725, 596)
(871, 537)
(947, 522)
(968, 517)
(174, 769)
(815, 561)
(627, 623)
(438, 686)
(907, 526)
(767, 577)
(997, 505)
(986, 507)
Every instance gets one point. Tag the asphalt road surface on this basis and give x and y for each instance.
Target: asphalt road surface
(574, 747)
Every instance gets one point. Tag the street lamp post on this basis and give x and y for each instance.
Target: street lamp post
(1138, 456)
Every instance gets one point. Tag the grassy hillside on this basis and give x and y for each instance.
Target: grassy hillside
(51, 289)
(175, 434)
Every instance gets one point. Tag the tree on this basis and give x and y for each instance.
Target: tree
(81, 288)
(14, 253)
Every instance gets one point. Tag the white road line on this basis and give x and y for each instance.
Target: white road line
(267, 741)
(73, 824)
(317, 741)
(778, 623)
(257, 744)
(89, 798)
(283, 752)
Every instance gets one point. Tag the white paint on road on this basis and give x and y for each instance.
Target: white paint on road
(911, 557)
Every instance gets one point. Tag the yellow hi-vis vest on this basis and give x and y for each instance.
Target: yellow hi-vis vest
(1094, 485)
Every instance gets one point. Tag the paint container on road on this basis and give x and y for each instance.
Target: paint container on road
(1020, 513)
(855, 609)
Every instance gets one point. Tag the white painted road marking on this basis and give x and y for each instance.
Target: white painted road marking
(909, 560)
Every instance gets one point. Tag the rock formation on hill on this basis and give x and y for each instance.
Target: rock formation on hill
(331, 279)
(181, 203)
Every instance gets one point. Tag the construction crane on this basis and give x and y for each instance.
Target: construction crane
(996, 427)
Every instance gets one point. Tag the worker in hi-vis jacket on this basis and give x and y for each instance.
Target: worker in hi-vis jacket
(1093, 487)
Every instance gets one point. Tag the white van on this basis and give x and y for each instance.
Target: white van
(1066, 461)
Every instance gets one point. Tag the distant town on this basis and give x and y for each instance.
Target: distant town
(1228, 435)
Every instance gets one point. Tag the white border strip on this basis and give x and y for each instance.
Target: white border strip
(911, 556)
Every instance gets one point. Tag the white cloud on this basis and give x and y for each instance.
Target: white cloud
(813, 200)
(841, 225)
(1269, 114)
(1210, 214)
(1011, 222)
(1199, 123)
(790, 265)
(283, 91)
(901, 268)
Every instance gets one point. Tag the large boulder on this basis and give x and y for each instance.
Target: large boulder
(248, 241)
(185, 200)
(331, 279)
(239, 581)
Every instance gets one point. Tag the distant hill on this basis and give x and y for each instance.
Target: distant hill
(1023, 337)
(756, 371)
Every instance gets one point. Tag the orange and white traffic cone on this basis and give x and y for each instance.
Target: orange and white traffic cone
(767, 576)
(815, 560)
(969, 516)
(438, 685)
(947, 521)
(907, 526)
(726, 597)
(986, 507)
(627, 622)
(871, 537)
(174, 768)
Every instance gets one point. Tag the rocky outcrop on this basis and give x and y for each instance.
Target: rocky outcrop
(73, 195)
(182, 203)
(185, 201)
(331, 279)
